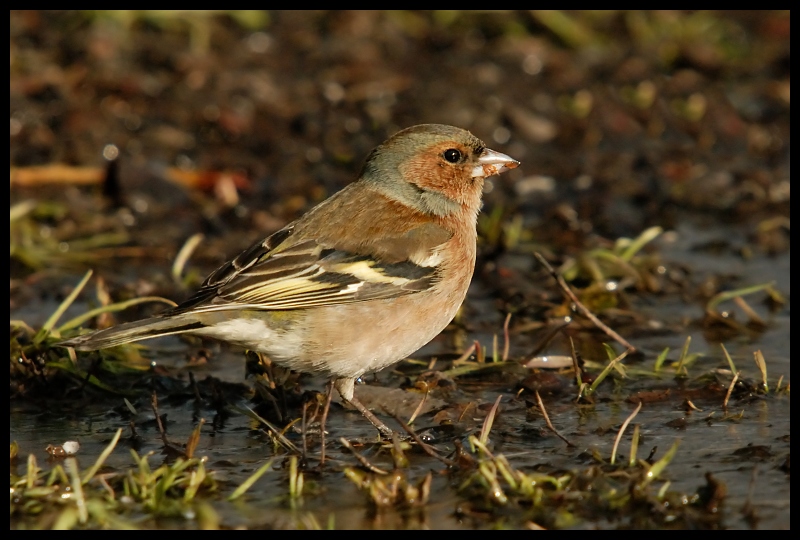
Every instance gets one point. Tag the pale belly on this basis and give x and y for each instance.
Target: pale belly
(344, 341)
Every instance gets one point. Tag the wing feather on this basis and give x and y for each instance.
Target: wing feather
(279, 274)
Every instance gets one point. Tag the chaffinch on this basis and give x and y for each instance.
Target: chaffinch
(359, 282)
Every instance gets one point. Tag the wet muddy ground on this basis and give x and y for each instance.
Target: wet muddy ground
(133, 131)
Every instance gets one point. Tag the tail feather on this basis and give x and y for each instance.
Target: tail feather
(133, 331)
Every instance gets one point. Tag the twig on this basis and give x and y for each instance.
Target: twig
(545, 341)
(276, 433)
(170, 447)
(322, 423)
(547, 419)
(161, 430)
(575, 364)
(464, 412)
(581, 308)
(303, 427)
(418, 409)
(361, 459)
(428, 449)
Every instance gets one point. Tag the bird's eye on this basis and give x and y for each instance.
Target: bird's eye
(452, 155)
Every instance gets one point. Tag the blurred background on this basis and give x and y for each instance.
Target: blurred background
(628, 114)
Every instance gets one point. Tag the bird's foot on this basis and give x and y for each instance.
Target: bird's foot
(385, 430)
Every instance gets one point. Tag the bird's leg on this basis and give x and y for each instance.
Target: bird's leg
(383, 428)
(346, 389)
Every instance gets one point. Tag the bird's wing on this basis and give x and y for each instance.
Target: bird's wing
(284, 273)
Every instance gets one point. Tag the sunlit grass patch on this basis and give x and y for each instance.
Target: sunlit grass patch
(66, 497)
(634, 492)
(35, 354)
(42, 237)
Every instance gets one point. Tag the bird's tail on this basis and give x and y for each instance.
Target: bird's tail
(133, 331)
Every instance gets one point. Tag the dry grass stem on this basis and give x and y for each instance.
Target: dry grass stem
(730, 390)
(634, 446)
(489, 420)
(469, 352)
(728, 358)
(749, 311)
(581, 308)
(540, 403)
(506, 339)
(758, 356)
(184, 254)
(622, 430)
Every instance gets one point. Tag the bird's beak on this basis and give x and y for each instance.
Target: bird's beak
(491, 163)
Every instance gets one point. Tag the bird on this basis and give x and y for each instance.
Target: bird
(359, 282)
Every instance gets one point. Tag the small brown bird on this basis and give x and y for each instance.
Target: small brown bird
(359, 282)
